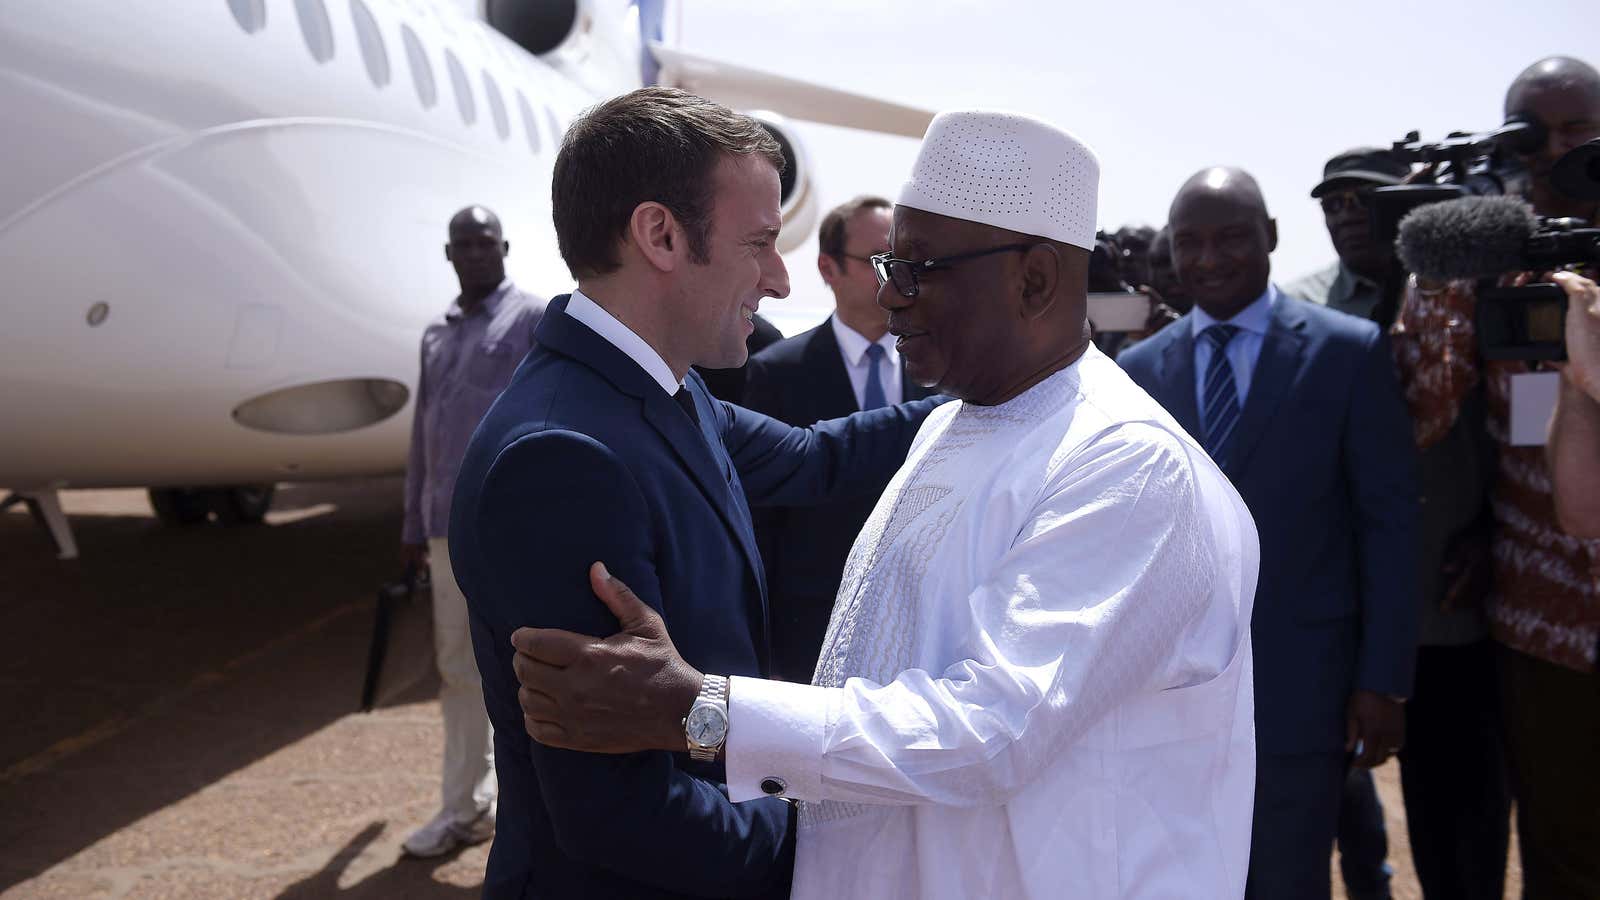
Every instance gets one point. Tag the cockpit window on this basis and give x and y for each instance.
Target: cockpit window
(250, 14)
(370, 38)
(421, 69)
(458, 80)
(316, 28)
(528, 123)
(497, 107)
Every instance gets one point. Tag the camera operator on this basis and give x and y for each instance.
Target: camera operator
(1458, 834)
(1356, 283)
(1544, 609)
(1574, 447)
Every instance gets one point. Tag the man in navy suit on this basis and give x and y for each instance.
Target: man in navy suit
(1301, 408)
(607, 447)
(848, 363)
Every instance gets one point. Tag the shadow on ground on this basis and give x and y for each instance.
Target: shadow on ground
(189, 707)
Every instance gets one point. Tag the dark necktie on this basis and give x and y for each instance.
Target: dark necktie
(872, 396)
(1220, 411)
(686, 403)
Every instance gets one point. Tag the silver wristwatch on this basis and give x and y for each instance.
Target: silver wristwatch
(706, 726)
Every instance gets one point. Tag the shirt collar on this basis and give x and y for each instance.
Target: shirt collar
(1254, 318)
(1348, 283)
(853, 344)
(490, 304)
(622, 337)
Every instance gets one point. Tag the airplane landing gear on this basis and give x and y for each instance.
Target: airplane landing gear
(237, 505)
(46, 509)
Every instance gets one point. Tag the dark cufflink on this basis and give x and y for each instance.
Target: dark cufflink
(773, 787)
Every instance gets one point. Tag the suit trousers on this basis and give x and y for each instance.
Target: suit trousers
(469, 786)
(1452, 773)
(1552, 721)
(1296, 814)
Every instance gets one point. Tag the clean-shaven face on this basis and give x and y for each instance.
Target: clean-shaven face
(721, 296)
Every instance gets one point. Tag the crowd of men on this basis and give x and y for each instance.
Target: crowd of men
(1426, 589)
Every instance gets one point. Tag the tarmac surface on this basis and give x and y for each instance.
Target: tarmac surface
(181, 709)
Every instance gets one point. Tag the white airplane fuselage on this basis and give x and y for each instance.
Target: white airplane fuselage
(204, 203)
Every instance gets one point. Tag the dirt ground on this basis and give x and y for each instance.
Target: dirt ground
(181, 709)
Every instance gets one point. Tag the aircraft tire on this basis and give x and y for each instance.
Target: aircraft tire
(245, 504)
(180, 507)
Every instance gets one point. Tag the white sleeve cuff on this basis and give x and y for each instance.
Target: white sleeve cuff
(776, 735)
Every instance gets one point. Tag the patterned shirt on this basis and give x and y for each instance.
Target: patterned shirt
(467, 360)
(1546, 599)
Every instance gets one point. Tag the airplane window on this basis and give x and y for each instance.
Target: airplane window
(250, 14)
(421, 72)
(316, 28)
(371, 41)
(528, 123)
(497, 107)
(458, 79)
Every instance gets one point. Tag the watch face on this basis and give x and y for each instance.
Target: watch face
(707, 725)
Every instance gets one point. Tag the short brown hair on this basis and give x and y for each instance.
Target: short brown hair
(831, 233)
(653, 144)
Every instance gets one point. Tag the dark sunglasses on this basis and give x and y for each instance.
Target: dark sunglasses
(1339, 201)
(903, 272)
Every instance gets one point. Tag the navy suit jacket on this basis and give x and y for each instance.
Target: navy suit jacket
(801, 380)
(1324, 458)
(585, 458)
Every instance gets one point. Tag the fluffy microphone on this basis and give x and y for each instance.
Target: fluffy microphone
(1474, 237)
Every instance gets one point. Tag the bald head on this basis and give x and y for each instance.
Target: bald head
(477, 249)
(1222, 239)
(1555, 73)
(1222, 183)
(1563, 95)
(475, 219)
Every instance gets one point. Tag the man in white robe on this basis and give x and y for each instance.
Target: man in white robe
(1036, 680)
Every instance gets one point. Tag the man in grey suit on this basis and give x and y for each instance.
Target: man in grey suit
(1300, 407)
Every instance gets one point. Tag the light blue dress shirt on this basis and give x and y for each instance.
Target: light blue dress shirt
(1243, 350)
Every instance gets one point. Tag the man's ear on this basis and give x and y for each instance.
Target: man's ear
(505, 248)
(655, 232)
(828, 268)
(1272, 235)
(448, 255)
(1042, 271)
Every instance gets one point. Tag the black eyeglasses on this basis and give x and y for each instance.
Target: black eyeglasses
(903, 272)
(1350, 198)
(866, 259)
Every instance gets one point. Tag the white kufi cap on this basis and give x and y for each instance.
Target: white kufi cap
(1007, 170)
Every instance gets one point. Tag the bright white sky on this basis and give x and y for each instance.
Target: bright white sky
(1160, 88)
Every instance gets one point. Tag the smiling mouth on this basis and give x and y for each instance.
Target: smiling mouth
(905, 337)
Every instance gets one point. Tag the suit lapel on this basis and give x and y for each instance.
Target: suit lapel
(700, 450)
(1281, 350)
(1177, 379)
(709, 468)
(825, 360)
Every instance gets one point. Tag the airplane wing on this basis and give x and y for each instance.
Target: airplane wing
(744, 88)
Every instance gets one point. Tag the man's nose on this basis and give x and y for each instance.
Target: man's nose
(890, 298)
(775, 278)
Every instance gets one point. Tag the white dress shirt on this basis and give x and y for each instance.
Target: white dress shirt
(1037, 678)
(622, 337)
(853, 347)
(1243, 350)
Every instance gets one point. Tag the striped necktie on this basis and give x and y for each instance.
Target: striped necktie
(1220, 411)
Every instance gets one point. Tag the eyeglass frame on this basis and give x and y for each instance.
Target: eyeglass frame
(1353, 196)
(882, 261)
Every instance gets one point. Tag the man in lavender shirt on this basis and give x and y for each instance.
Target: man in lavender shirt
(468, 356)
